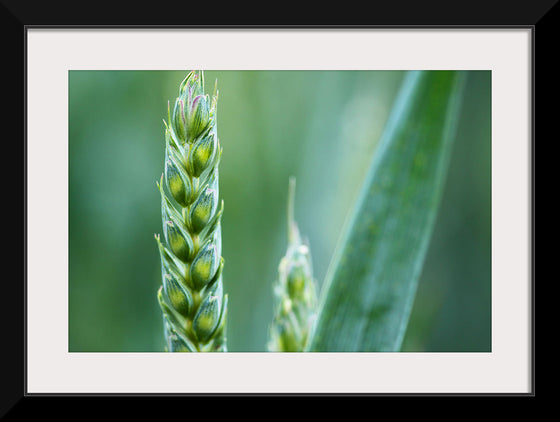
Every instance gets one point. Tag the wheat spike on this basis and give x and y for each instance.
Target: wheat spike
(295, 291)
(191, 295)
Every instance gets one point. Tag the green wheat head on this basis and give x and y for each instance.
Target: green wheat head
(191, 296)
(295, 291)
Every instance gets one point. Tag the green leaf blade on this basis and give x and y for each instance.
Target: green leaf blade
(370, 287)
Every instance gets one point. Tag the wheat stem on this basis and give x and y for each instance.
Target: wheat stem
(295, 291)
(191, 295)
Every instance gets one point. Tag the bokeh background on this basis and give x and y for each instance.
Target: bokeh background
(321, 127)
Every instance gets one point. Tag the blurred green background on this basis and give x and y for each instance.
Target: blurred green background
(320, 126)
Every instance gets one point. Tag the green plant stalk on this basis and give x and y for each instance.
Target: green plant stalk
(295, 291)
(191, 296)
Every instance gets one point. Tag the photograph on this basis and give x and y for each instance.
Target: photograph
(279, 211)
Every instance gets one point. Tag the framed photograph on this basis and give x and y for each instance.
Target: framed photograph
(384, 171)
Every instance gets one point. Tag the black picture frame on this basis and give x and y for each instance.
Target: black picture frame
(17, 17)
